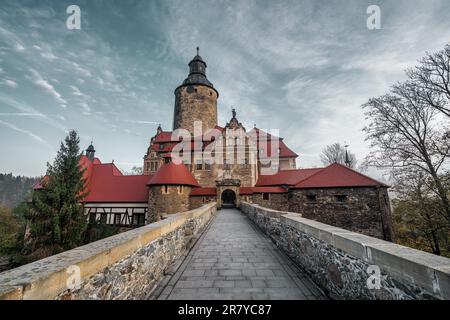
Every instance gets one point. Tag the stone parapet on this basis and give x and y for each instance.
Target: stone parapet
(124, 266)
(349, 265)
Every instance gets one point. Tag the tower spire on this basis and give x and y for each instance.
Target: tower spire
(90, 152)
(347, 158)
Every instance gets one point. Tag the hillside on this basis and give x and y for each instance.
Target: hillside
(13, 189)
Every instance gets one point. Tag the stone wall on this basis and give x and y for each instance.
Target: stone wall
(276, 201)
(195, 103)
(162, 203)
(346, 264)
(124, 266)
(198, 201)
(363, 210)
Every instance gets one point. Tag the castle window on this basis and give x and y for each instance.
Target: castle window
(117, 219)
(198, 165)
(165, 189)
(207, 165)
(266, 196)
(341, 198)
(311, 197)
(180, 189)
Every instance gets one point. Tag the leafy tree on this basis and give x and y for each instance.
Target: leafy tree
(9, 227)
(336, 153)
(56, 221)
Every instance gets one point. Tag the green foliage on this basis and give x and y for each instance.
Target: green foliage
(418, 226)
(9, 227)
(14, 189)
(418, 216)
(97, 231)
(56, 221)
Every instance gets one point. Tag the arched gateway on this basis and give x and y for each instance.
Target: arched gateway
(228, 198)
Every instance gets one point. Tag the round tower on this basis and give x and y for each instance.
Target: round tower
(169, 190)
(195, 99)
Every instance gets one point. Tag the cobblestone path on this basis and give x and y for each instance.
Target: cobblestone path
(234, 260)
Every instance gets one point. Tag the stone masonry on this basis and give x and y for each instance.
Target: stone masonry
(195, 103)
(355, 209)
(124, 266)
(167, 199)
(342, 263)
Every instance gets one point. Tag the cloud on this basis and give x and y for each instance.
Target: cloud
(44, 84)
(19, 47)
(26, 132)
(10, 83)
(22, 114)
(142, 122)
(28, 110)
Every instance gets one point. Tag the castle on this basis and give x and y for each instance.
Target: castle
(228, 165)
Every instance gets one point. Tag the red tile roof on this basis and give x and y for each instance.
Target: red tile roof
(204, 192)
(245, 190)
(286, 177)
(173, 174)
(335, 176)
(108, 184)
(264, 141)
(165, 136)
(269, 190)
(84, 163)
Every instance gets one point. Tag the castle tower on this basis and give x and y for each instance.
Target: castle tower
(90, 152)
(195, 99)
(169, 190)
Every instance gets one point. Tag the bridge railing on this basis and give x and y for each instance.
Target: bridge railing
(125, 266)
(349, 265)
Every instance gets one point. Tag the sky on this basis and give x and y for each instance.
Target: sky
(303, 67)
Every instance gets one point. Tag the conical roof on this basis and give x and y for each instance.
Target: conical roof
(173, 174)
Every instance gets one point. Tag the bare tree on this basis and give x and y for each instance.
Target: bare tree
(404, 135)
(431, 77)
(335, 153)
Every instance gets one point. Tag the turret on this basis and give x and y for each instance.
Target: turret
(169, 190)
(195, 99)
(90, 152)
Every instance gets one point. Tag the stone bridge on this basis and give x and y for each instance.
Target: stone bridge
(251, 253)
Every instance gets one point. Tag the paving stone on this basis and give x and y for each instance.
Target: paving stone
(233, 260)
(264, 272)
(223, 284)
